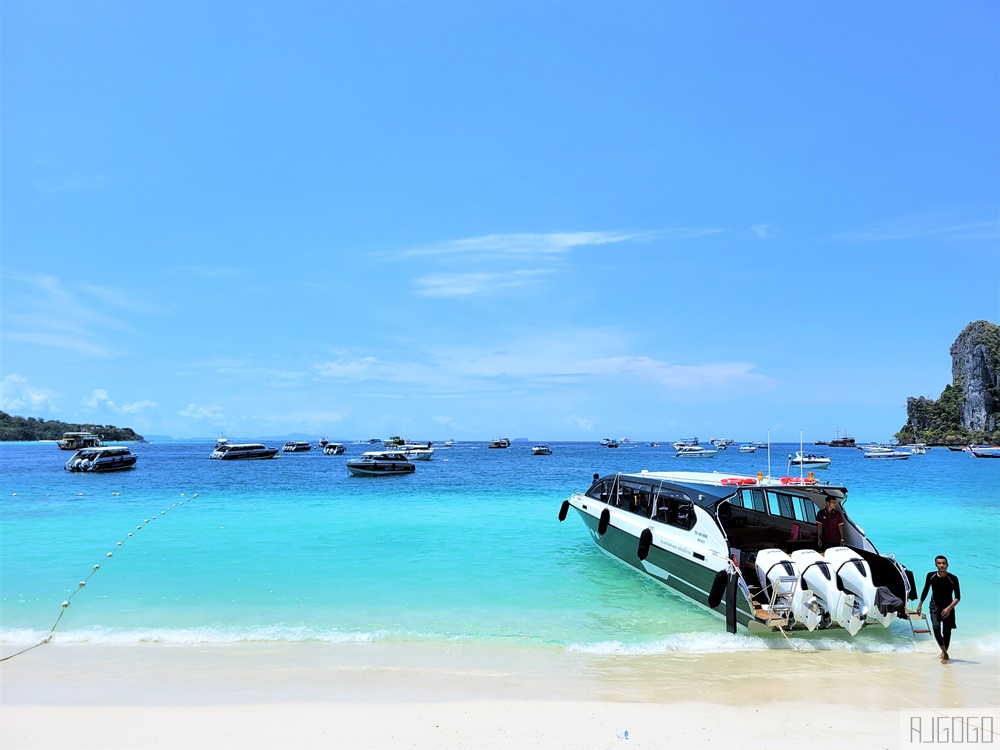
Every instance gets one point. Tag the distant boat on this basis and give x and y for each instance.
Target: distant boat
(296, 446)
(808, 461)
(694, 451)
(380, 464)
(74, 441)
(748, 448)
(242, 451)
(499, 443)
(886, 454)
(985, 451)
(541, 450)
(334, 449)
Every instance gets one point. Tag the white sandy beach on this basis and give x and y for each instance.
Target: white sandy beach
(434, 696)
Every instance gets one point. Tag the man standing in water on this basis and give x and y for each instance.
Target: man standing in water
(945, 595)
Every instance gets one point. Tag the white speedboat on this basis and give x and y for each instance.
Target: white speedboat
(886, 454)
(541, 450)
(499, 443)
(748, 448)
(415, 452)
(745, 548)
(100, 460)
(685, 441)
(242, 452)
(808, 461)
(694, 451)
(334, 449)
(380, 464)
(296, 446)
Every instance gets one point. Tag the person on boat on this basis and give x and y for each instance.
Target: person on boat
(829, 526)
(597, 478)
(945, 595)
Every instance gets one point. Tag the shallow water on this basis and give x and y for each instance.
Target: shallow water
(467, 549)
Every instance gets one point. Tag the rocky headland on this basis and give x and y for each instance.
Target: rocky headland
(968, 410)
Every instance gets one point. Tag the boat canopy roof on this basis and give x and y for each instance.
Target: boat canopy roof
(707, 489)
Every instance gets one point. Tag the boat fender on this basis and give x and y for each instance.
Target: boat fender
(645, 542)
(718, 589)
(602, 525)
(731, 602)
(563, 510)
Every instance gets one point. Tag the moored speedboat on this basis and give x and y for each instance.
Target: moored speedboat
(808, 461)
(99, 460)
(499, 443)
(745, 548)
(886, 454)
(415, 452)
(242, 451)
(748, 448)
(541, 450)
(694, 451)
(380, 464)
(296, 446)
(334, 449)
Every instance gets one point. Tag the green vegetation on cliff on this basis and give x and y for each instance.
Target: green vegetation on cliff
(29, 428)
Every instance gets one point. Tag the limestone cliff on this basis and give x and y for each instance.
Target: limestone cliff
(969, 409)
(975, 367)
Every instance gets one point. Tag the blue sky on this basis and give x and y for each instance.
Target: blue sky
(556, 220)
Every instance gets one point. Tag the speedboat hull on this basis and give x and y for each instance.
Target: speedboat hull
(380, 469)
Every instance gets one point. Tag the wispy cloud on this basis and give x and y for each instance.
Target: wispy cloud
(585, 356)
(43, 310)
(913, 228)
(528, 245)
(760, 230)
(468, 284)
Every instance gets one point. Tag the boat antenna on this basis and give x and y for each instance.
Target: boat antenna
(769, 453)
(801, 454)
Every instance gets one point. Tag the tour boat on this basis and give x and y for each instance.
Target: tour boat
(296, 446)
(745, 548)
(380, 464)
(415, 451)
(242, 451)
(748, 448)
(74, 441)
(334, 449)
(541, 450)
(499, 443)
(99, 460)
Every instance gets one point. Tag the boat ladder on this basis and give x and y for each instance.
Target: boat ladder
(913, 617)
(776, 614)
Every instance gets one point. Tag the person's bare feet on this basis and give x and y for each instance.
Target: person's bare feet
(944, 657)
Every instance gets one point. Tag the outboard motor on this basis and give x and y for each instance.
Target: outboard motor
(856, 576)
(773, 565)
(821, 577)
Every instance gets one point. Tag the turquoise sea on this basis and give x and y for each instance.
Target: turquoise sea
(468, 549)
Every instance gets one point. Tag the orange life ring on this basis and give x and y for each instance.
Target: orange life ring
(738, 481)
(798, 480)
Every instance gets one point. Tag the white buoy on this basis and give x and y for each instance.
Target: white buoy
(65, 604)
(110, 554)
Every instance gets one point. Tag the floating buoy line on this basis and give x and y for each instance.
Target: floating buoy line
(82, 584)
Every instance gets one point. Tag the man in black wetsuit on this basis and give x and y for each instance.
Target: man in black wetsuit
(945, 595)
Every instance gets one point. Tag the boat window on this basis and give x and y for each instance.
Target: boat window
(753, 500)
(681, 514)
(599, 491)
(805, 510)
(780, 504)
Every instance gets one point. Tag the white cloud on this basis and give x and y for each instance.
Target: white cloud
(193, 411)
(99, 399)
(18, 397)
(137, 406)
(761, 230)
(445, 422)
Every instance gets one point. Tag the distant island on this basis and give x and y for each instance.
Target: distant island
(28, 428)
(968, 410)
